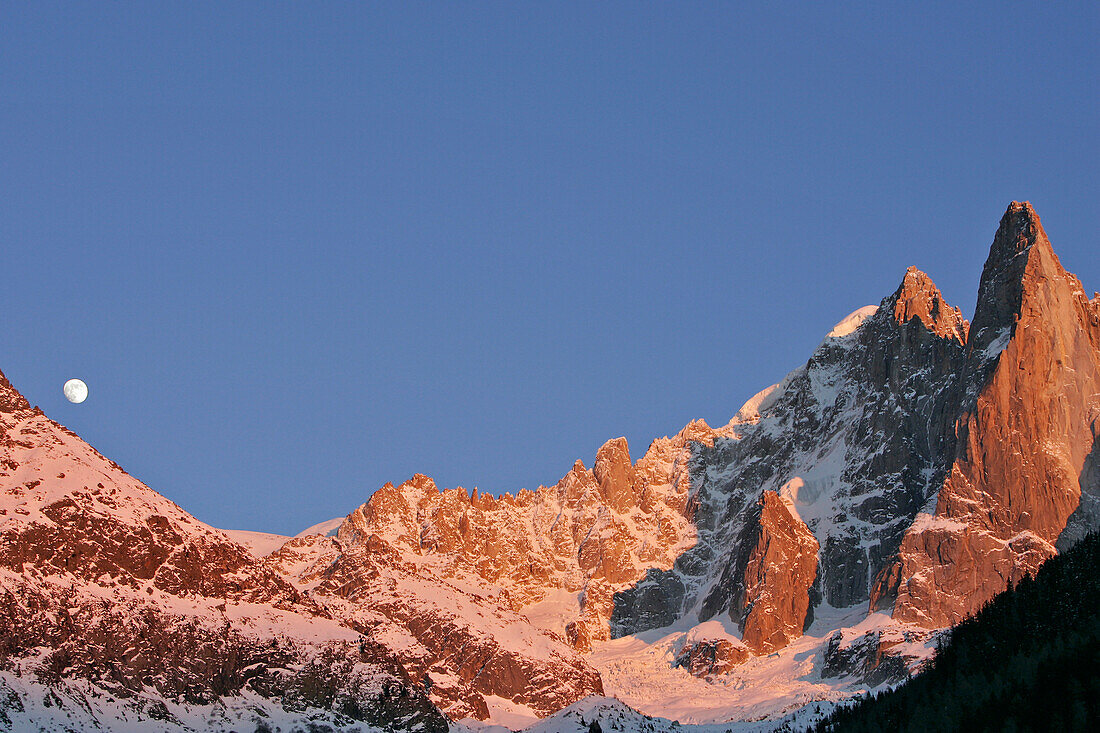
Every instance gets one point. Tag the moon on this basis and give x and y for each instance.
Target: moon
(75, 391)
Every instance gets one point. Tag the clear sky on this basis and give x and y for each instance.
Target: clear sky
(298, 250)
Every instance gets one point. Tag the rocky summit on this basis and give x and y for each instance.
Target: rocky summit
(812, 548)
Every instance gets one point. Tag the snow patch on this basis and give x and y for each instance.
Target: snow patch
(998, 344)
(852, 321)
(509, 714)
(750, 411)
(924, 522)
(327, 528)
(554, 611)
(261, 544)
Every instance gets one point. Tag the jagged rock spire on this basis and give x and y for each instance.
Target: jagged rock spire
(1019, 230)
(10, 398)
(918, 297)
(1026, 423)
(1001, 290)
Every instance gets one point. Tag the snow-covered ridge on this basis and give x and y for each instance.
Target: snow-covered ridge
(327, 528)
(135, 614)
(261, 544)
(852, 321)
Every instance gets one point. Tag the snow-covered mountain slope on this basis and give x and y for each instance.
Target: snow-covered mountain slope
(123, 604)
(261, 544)
(326, 528)
(614, 715)
(461, 641)
(807, 551)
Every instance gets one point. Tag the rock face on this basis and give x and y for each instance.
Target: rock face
(780, 571)
(918, 297)
(1027, 426)
(459, 640)
(616, 476)
(712, 657)
(872, 656)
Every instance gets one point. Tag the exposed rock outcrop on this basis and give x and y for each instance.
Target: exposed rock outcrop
(712, 657)
(875, 657)
(918, 297)
(779, 574)
(615, 474)
(1026, 426)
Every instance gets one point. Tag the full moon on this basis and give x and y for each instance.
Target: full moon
(75, 391)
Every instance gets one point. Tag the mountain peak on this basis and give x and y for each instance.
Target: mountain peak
(10, 398)
(615, 474)
(1020, 229)
(1025, 429)
(918, 297)
(1002, 289)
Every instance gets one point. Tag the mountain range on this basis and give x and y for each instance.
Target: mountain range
(738, 577)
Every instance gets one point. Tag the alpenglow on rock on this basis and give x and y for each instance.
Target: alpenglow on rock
(159, 618)
(1027, 425)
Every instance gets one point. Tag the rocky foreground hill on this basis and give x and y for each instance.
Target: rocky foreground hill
(812, 548)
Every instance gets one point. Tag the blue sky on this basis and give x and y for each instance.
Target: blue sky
(299, 250)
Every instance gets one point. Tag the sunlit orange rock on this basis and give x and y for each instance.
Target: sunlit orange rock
(781, 568)
(1023, 438)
